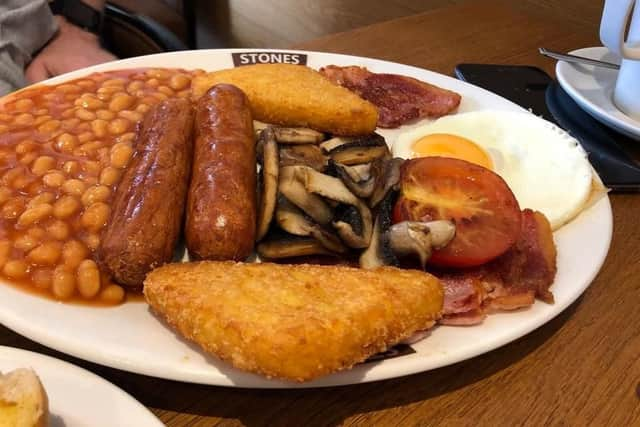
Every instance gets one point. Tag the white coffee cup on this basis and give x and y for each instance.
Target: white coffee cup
(616, 16)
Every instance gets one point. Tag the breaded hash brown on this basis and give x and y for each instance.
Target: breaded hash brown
(293, 322)
(295, 95)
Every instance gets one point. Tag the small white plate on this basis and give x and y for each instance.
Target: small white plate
(592, 88)
(78, 398)
(130, 338)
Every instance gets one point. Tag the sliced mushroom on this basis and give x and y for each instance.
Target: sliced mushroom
(293, 220)
(353, 151)
(379, 252)
(410, 238)
(291, 186)
(297, 135)
(269, 170)
(306, 155)
(387, 173)
(288, 246)
(357, 178)
(334, 189)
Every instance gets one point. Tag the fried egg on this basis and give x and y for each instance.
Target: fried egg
(544, 166)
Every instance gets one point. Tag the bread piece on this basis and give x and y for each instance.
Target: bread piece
(294, 322)
(23, 400)
(295, 95)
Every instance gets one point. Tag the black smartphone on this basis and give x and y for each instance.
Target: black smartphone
(533, 89)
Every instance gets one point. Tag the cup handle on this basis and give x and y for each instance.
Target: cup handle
(613, 25)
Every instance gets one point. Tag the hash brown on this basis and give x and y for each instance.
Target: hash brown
(293, 322)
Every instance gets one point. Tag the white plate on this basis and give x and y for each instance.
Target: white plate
(78, 398)
(592, 88)
(129, 337)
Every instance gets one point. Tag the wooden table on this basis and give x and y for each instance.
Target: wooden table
(582, 368)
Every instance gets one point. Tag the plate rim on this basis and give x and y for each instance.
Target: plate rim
(415, 367)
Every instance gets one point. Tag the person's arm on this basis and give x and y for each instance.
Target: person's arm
(70, 49)
(25, 26)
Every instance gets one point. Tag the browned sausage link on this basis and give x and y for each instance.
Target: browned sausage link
(221, 208)
(148, 206)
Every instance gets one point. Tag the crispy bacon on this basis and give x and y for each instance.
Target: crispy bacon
(399, 99)
(512, 281)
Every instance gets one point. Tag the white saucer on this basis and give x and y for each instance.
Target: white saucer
(592, 88)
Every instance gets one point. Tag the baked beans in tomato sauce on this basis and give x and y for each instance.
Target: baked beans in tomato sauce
(63, 149)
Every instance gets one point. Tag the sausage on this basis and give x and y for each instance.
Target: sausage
(221, 206)
(148, 206)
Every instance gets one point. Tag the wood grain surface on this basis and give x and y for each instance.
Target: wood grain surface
(580, 369)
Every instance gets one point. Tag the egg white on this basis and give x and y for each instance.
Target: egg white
(545, 167)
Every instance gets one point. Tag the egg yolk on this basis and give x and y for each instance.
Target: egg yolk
(448, 145)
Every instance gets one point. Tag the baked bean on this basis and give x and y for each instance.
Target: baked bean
(25, 242)
(119, 125)
(126, 137)
(70, 167)
(88, 278)
(28, 158)
(21, 182)
(149, 100)
(133, 116)
(95, 216)
(49, 126)
(83, 114)
(65, 143)
(71, 123)
(35, 214)
(5, 193)
(120, 154)
(109, 176)
(184, 94)
(85, 136)
(37, 232)
(67, 114)
(104, 96)
(5, 117)
(90, 181)
(65, 206)
(91, 103)
(47, 253)
(53, 179)
(105, 114)
(63, 283)
(15, 269)
(40, 119)
(142, 108)
(92, 241)
(179, 81)
(99, 127)
(11, 175)
(41, 198)
(13, 208)
(66, 88)
(73, 252)
(91, 167)
(166, 90)
(112, 82)
(134, 86)
(158, 73)
(24, 119)
(42, 278)
(26, 146)
(120, 102)
(42, 165)
(5, 251)
(97, 193)
(58, 229)
(153, 83)
(160, 96)
(24, 105)
(89, 148)
(3, 128)
(112, 294)
(74, 187)
(86, 83)
(41, 111)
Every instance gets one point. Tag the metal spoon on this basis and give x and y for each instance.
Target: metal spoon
(577, 59)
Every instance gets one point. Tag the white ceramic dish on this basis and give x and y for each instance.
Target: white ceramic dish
(78, 398)
(592, 88)
(129, 337)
